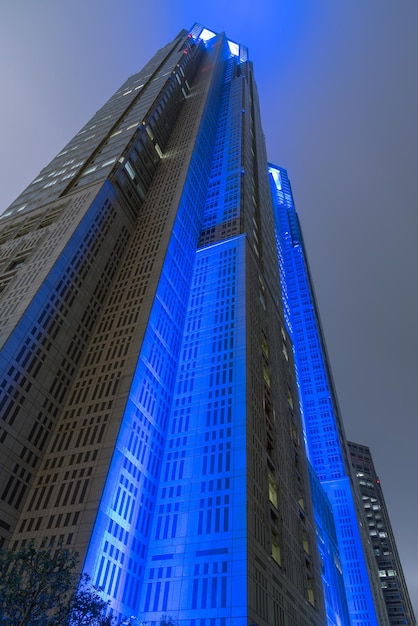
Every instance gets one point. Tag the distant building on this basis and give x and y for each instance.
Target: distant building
(395, 591)
(158, 341)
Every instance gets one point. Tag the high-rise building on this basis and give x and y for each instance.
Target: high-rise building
(395, 591)
(149, 392)
(325, 440)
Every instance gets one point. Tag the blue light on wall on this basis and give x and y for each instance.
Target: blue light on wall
(197, 550)
(323, 429)
(118, 549)
(171, 522)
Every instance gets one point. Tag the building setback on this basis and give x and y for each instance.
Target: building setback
(395, 591)
(149, 397)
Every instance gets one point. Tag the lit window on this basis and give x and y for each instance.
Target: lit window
(266, 376)
(273, 491)
(90, 170)
(130, 170)
(311, 596)
(109, 162)
(305, 542)
(233, 48)
(207, 34)
(276, 178)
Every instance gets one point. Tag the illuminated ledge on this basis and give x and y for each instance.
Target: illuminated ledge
(237, 50)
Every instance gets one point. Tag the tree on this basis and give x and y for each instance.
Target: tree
(39, 587)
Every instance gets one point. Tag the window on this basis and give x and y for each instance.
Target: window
(273, 491)
(275, 548)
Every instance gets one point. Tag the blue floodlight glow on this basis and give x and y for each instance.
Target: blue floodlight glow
(207, 34)
(322, 425)
(171, 529)
(200, 32)
(193, 485)
(234, 48)
(200, 524)
(276, 177)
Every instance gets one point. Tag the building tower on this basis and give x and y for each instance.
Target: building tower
(166, 404)
(395, 591)
(148, 398)
(325, 441)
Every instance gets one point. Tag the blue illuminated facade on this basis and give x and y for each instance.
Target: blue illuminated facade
(325, 441)
(192, 492)
(165, 389)
(203, 496)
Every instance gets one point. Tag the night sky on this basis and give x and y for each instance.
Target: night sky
(338, 85)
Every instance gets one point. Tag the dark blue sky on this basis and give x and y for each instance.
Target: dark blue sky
(339, 96)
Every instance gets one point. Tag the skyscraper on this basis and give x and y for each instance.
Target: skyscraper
(395, 591)
(149, 400)
(325, 440)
